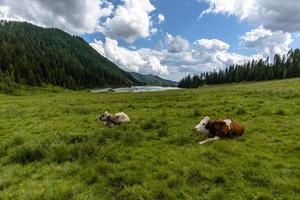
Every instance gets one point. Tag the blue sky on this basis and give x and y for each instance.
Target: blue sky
(168, 37)
(182, 18)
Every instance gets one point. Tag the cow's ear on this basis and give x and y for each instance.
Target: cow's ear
(206, 118)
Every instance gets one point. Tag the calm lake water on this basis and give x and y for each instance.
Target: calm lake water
(135, 89)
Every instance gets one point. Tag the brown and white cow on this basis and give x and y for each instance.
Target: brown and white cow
(117, 118)
(219, 129)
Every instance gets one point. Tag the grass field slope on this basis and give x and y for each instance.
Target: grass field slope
(52, 147)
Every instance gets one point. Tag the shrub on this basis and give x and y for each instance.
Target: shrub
(110, 156)
(240, 111)
(131, 106)
(219, 180)
(82, 110)
(195, 177)
(134, 192)
(62, 152)
(103, 168)
(180, 140)
(281, 112)
(131, 137)
(264, 197)
(153, 124)
(149, 125)
(103, 135)
(174, 182)
(87, 149)
(27, 154)
(101, 139)
(7, 84)
(3, 150)
(162, 194)
(72, 139)
(256, 179)
(4, 183)
(90, 177)
(117, 182)
(17, 140)
(162, 132)
(196, 113)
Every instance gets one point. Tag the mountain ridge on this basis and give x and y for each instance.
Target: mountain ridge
(33, 55)
(151, 79)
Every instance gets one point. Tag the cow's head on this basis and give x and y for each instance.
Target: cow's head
(104, 116)
(201, 126)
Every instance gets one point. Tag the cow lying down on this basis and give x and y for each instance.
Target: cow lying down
(117, 118)
(218, 129)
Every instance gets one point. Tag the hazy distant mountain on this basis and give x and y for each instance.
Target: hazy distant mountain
(152, 79)
(33, 55)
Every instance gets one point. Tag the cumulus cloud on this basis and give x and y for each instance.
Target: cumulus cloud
(201, 58)
(203, 55)
(130, 60)
(73, 16)
(212, 45)
(267, 42)
(131, 20)
(177, 44)
(161, 18)
(273, 14)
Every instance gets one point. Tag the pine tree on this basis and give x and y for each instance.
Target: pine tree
(36, 55)
(283, 67)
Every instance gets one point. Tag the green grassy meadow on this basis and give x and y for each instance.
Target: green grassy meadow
(52, 146)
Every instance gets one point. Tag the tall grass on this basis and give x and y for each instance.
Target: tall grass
(52, 147)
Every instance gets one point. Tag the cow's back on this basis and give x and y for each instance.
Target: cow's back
(237, 129)
(122, 117)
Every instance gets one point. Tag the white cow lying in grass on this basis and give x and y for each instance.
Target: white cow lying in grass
(117, 118)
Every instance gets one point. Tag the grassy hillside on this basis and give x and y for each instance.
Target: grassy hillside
(33, 55)
(152, 79)
(52, 147)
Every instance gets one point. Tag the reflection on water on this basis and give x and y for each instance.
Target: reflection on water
(135, 89)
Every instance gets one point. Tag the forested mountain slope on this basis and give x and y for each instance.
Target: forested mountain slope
(282, 67)
(33, 55)
(152, 79)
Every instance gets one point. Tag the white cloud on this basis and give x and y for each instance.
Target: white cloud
(212, 45)
(175, 58)
(177, 44)
(267, 42)
(153, 30)
(131, 20)
(130, 60)
(200, 60)
(204, 55)
(241, 9)
(73, 16)
(273, 14)
(161, 18)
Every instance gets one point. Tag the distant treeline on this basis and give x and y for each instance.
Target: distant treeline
(287, 66)
(33, 55)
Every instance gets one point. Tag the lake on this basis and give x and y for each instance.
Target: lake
(135, 89)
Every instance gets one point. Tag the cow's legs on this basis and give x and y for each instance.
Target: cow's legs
(108, 123)
(209, 140)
